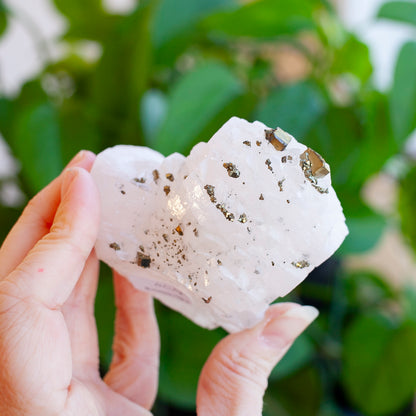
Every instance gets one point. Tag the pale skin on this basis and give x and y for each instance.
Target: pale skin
(48, 337)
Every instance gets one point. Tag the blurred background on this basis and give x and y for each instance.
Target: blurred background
(339, 75)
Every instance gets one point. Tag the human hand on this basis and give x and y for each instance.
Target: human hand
(48, 278)
(48, 337)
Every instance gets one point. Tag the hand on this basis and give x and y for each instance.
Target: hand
(48, 337)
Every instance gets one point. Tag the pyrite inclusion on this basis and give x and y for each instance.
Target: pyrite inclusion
(223, 243)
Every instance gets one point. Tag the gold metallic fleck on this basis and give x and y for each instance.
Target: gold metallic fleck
(300, 264)
(311, 162)
(143, 260)
(278, 138)
(243, 218)
(211, 193)
(232, 170)
(114, 246)
(227, 214)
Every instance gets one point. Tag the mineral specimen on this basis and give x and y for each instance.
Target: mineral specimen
(195, 233)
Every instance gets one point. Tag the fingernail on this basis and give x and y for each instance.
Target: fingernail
(78, 157)
(69, 176)
(283, 329)
(307, 313)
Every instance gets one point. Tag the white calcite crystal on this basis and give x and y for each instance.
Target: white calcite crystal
(220, 234)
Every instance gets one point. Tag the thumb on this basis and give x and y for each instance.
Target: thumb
(234, 378)
(52, 268)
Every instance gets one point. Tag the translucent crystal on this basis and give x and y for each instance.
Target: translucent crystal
(222, 233)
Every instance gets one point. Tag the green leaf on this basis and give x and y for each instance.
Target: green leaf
(3, 17)
(407, 203)
(101, 29)
(105, 314)
(195, 99)
(408, 302)
(121, 78)
(294, 108)
(78, 9)
(31, 95)
(36, 143)
(364, 233)
(379, 364)
(87, 19)
(8, 217)
(185, 348)
(263, 19)
(240, 106)
(6, 112)
(299, 394)
(352, 57)
(165, 27)
(366, 290)
(299, 354)
(400, 11)
(403, 94)
(378, 144)
(78, 130)
(172, 37)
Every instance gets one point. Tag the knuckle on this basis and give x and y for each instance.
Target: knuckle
(244, 368)
(33, 212)
(73, 246)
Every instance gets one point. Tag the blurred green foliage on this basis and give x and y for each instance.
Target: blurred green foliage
(3, 17)
(169, 73)
(407, 201)
(401, 11)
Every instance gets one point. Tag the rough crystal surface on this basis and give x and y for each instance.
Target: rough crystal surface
(218, 247)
